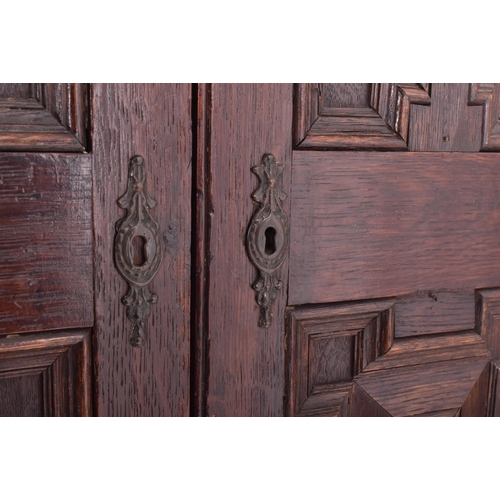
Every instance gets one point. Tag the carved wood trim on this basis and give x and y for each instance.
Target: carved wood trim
(54, 118)
(384, 125)
(431, 375)
(63, 360)
(487, 95)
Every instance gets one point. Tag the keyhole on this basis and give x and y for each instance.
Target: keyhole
(139, 246)
(270, 234)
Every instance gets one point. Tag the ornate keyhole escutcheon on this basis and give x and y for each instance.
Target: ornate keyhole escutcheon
(268, 235)
(138, 250)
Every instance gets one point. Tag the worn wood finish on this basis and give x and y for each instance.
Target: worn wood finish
(449, 123)
(386, 224)
(355, 116)
(327, 347)
(47, 374)
(361, 404)
(246, 362)
(153, 121)
(423, 388)
(434, 312)
(46, 242)
(44, 117)
(430, 375)
(487, 95)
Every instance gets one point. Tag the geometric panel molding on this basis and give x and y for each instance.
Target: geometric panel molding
(487, 95)
(44, 117)
(327, 347)
(343, 360)
(48, 374)
(355, 116)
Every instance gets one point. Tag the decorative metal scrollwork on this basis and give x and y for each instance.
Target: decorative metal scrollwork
(268, 235)
(138, 249)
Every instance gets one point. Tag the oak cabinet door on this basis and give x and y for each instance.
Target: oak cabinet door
(390, 292)
(65, 151)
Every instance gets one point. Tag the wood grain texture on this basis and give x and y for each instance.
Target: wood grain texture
(154, 121)
(434, 312)
(21, 396)
(450, 374)
(449, 123)
(44, 117)
(361, 404)
(476, 403)
(51, 371)
(327, 346)
(46, 242)
(487, 95)
(494, 391)
(386, 224)
(355, 116)
(488, 319)
(412, 390)
(246, 362)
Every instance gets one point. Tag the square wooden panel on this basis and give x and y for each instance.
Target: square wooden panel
(355, 116)
(44, 117)
(328, 346)
(47, 374)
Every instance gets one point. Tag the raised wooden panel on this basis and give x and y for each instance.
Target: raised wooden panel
(351, 337)
(369, 224)
(450, 374)
(46, 242)
(47, 374)
(433, 312)
(423, 388)
(487, 95)
(44, 117)
(355, 116)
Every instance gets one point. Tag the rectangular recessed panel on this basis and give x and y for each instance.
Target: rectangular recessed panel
(434, 312)
(345, 95)
(368, 224)
(331, 359)
(21, 396)
(46, 242)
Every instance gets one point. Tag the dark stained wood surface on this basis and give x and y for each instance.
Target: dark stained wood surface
(327, 347)
(423, 388)
(362, 404)
(154, 121)
(369, 225)
(246, 363)
(449, 123)
(434, 312)
(44, 117)
(355, 116)
(21, 396)
(46, 242)
(47, 373)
